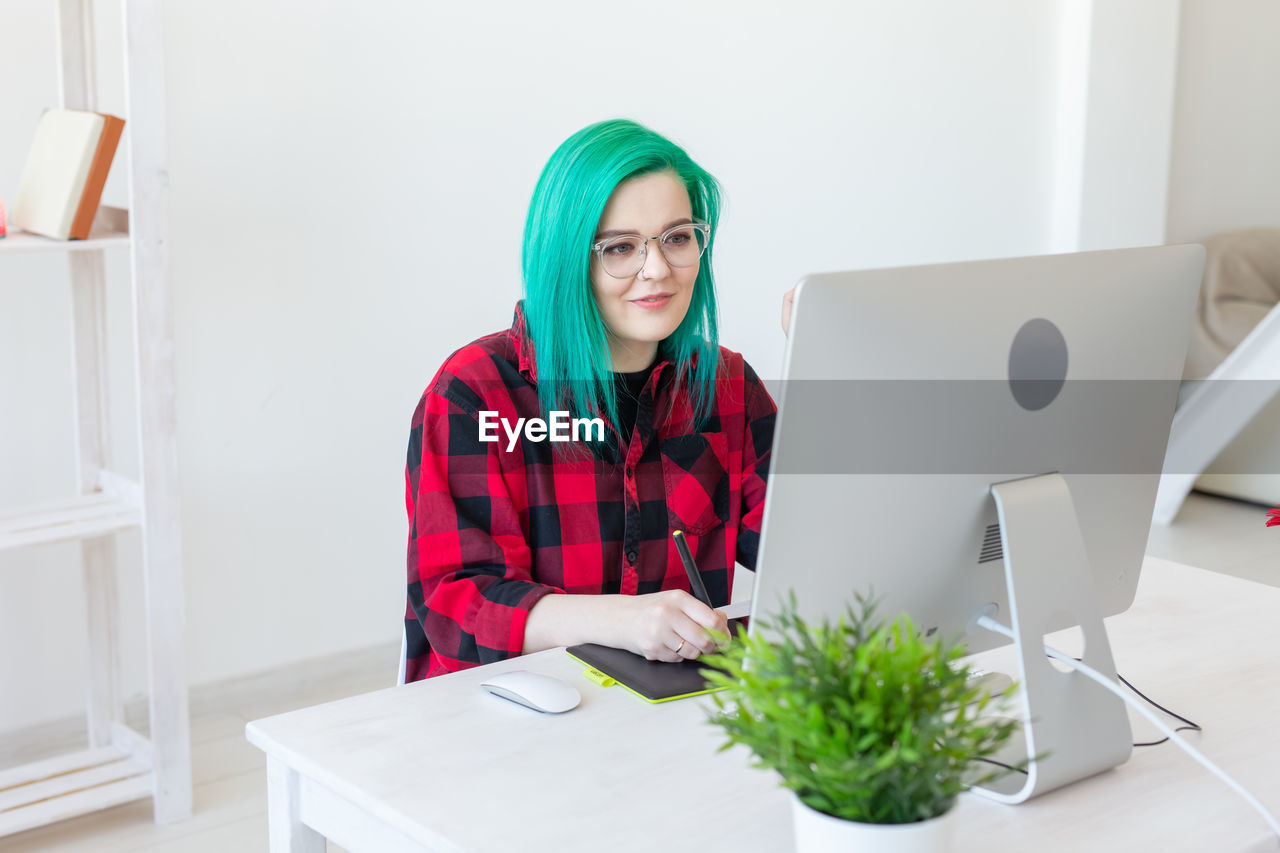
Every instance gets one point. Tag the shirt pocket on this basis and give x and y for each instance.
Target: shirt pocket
(697, 485)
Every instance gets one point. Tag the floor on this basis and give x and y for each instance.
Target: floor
(230, 779)
(1222, 535)
(230, 776)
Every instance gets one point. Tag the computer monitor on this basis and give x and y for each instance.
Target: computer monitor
(983, 437)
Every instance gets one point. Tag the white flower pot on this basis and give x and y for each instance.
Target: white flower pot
(821, 833)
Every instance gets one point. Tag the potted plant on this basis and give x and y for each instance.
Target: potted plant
(872, 726)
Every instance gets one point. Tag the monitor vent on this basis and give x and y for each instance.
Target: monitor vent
(991, 549)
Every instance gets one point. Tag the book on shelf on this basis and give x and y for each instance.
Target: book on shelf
(62, 180)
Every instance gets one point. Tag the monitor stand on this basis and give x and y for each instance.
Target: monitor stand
(1072, 728)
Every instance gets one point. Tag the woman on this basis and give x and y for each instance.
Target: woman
(518, 544)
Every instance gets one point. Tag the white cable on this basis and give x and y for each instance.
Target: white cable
(1086, 670)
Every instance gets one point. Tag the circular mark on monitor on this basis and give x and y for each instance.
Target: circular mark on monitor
(1037, 364)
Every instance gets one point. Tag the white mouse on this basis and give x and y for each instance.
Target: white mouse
(539, 692)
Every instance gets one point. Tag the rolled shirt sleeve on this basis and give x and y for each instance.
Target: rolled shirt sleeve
(469, 564)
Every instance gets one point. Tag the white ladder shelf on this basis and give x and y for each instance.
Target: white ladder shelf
(119, 765)
(1217, 410)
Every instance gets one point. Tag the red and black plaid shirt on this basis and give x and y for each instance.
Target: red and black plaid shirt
(491, 531)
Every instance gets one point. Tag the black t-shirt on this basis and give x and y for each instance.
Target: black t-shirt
(627, 388)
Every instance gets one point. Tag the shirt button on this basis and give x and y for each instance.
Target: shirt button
(630, 472)
(631, 556)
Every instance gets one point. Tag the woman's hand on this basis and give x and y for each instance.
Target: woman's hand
(669, 626)
(788, 299)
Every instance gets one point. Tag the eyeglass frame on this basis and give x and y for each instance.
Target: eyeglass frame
(598, 248)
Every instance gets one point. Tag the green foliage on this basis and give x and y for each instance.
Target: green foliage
(864, 720)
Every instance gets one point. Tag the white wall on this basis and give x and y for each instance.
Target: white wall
(1129, 109)
(348, 185)
(1225, 169)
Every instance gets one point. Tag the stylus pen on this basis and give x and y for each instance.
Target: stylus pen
(690, 568)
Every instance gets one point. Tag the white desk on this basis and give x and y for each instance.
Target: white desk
(441, 765)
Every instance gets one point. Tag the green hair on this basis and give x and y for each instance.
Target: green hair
(570, 340)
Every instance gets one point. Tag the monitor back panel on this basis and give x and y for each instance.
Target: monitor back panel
(898, 410)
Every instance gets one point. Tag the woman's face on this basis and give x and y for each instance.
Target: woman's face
(642, 310)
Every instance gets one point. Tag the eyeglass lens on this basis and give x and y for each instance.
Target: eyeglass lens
(624, 256)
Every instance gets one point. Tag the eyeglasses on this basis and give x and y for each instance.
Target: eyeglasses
(623, 257)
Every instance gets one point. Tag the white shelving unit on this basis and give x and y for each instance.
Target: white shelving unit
(110, 230)
(1217, 410)
(119, 764)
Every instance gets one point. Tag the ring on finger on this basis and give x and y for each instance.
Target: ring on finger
(679, 647)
